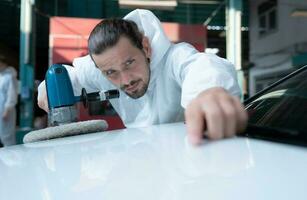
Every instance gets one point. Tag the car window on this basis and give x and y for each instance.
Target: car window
(282, 106)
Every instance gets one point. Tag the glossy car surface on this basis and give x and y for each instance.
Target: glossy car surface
(157, 162)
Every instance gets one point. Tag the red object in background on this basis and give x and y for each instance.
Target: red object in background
(114, 121)
(68, 40)
(68, 36)
(193, 34)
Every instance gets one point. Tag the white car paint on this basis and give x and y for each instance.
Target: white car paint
(152, 163)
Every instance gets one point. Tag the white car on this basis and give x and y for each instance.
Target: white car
(158, 163)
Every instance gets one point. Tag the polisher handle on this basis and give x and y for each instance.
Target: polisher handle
(97, 96)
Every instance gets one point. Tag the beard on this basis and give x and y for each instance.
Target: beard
(142, 86)
(139, 91)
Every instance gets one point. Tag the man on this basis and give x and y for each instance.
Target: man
(8, 100)
(159, 81)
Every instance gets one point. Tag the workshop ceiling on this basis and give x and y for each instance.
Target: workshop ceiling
(183, 11)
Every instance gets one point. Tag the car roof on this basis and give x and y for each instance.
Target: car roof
(156, 162)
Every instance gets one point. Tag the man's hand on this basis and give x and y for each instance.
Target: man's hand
(42, 100)
(216, 114)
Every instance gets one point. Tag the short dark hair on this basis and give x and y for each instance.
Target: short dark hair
(107, 33)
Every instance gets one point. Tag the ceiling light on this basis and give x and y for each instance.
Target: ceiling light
(159, 4)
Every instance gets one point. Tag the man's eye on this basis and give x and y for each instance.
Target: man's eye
(129, 62)
(109, 72)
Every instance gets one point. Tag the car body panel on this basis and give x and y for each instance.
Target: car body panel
(155, 162)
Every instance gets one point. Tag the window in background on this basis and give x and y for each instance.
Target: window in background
(267, 17)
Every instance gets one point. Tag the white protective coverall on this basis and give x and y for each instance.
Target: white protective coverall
(8, 100)
(178, 74)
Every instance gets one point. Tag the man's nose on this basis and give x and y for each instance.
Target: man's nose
(125, 78)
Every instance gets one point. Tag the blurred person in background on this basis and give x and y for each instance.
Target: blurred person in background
(8, 101)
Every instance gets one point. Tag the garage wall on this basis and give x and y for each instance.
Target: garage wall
(271, 54)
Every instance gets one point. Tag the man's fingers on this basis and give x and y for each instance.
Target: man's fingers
(214, 118)
(42, 100)
(230, 113)
(195, 123)
(201, 117)
(242, 116)
(235, 115)
(215, 113)
(43, 104)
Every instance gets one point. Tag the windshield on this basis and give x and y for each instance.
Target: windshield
(282, 106)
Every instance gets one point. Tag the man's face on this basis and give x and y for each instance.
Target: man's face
(126, 67)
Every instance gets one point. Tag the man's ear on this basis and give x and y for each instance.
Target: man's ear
(146, 46)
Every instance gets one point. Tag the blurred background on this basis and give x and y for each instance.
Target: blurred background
(264, 39)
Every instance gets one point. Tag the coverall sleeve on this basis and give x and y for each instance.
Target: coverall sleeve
(11, 100)
(197, 72)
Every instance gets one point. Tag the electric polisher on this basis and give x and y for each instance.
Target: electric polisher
(61, 99)
(62, 115)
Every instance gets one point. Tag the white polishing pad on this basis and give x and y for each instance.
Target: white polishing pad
(76, 128)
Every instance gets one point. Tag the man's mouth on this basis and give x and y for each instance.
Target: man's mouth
(132, 87)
